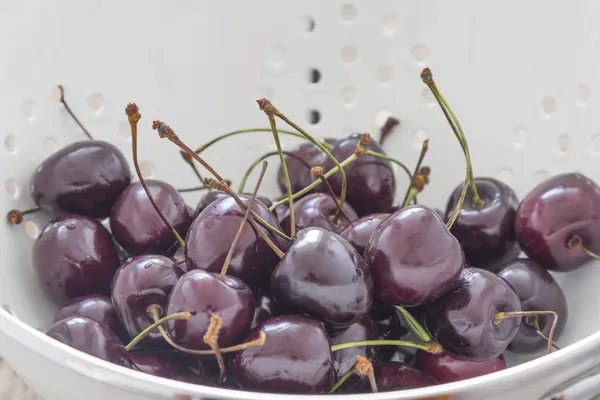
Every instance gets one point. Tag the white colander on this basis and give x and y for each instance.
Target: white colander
(522, 77)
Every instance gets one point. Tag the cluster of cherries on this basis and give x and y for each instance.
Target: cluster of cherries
(333, 287)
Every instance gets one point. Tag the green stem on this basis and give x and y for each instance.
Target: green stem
(316, 183)
(501, 315)
(414, 325)
(264, 157)
(411, 188)
(341, 381)
(285, 175)
(431, 347)
(390, 159)
(156, 324)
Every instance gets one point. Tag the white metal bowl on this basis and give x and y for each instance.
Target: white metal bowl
(521, 76)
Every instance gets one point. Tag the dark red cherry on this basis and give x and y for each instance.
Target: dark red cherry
(486, 234)
(140, 282)
(96, 307)
(137, 226)
(213, 231)
(446, 368)
(370, 180)
(393, 375)
(208, 199)
(552, 214)
(89, 336)
(538, 291)
(84, 178)
(263, 199)
(413, 258)
(295, 359)
(202, 293)
(359, 233)
(307, 155)
(394, 328)
(318, 210)
(398, 207)
(74, 256)
(166, 364)
(265, 308)
(345, 360)
(463, 319)
(179, 259)
(322, 275)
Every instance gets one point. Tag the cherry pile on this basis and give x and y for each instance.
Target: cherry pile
(333, 287)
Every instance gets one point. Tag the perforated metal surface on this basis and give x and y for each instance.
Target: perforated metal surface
(521, 76)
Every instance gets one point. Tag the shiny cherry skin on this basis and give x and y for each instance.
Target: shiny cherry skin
(266, 307)
(552, 213)
(394, 328)
(136, 225)
(370, 180)
(344, 360)
(486, 234)
(91, 337)
(179, 259)
(140, 282)
(359, 233)
(97, 307)
(202, 293)
(168, 364)
(394, 375)
(413, 258)
(295, 359)
(307, 155)
(322, 275)
(398, 207)
(208, 199)
(446, 368)
(74, 256)
(318, 210)
(85, 177)
(211, 234)
(463, 319)
(538, 291)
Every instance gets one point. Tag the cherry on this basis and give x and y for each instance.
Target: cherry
(398, 207)
(295, 358)
(169, 364)
(537, 290)
(96, 307)
(208, 199)
(266, 307)
(371, 183)
(446, 368)
(553, 214)
(74, 256)
(140, 282)
(85, 177)
(137, 226)
(179, 258)
(344, 360)
(359, 233)
(464, 320)
(318, 210)
(298, 171)
(211, 234)
(394, 328)
(323, 275)
(486, 234)
(202, 293)
(413, 258)
(393, 375)
(91, 337)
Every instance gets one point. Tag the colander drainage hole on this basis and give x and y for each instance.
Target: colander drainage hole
(314, 75)
(314, 117)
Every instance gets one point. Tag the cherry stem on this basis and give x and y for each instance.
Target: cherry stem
(317, 172)
(159, 322)
(387, 128)
(392, 160)
(427, 78)
(270, 109)
(414, 325)
(165, 131)
(264, 157)
(534, 323)
(133, 115)
(244, 219)
(286, 176)
(577, 243)
(364, 367)
(341, 381)
(430, 347)
(240, 131)
(154, 312)
(412, 184)
(211, 338)
(313, 185)
(15, 217)
(500, 315)
(188, 159)
(61, 98)
(193, 189)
